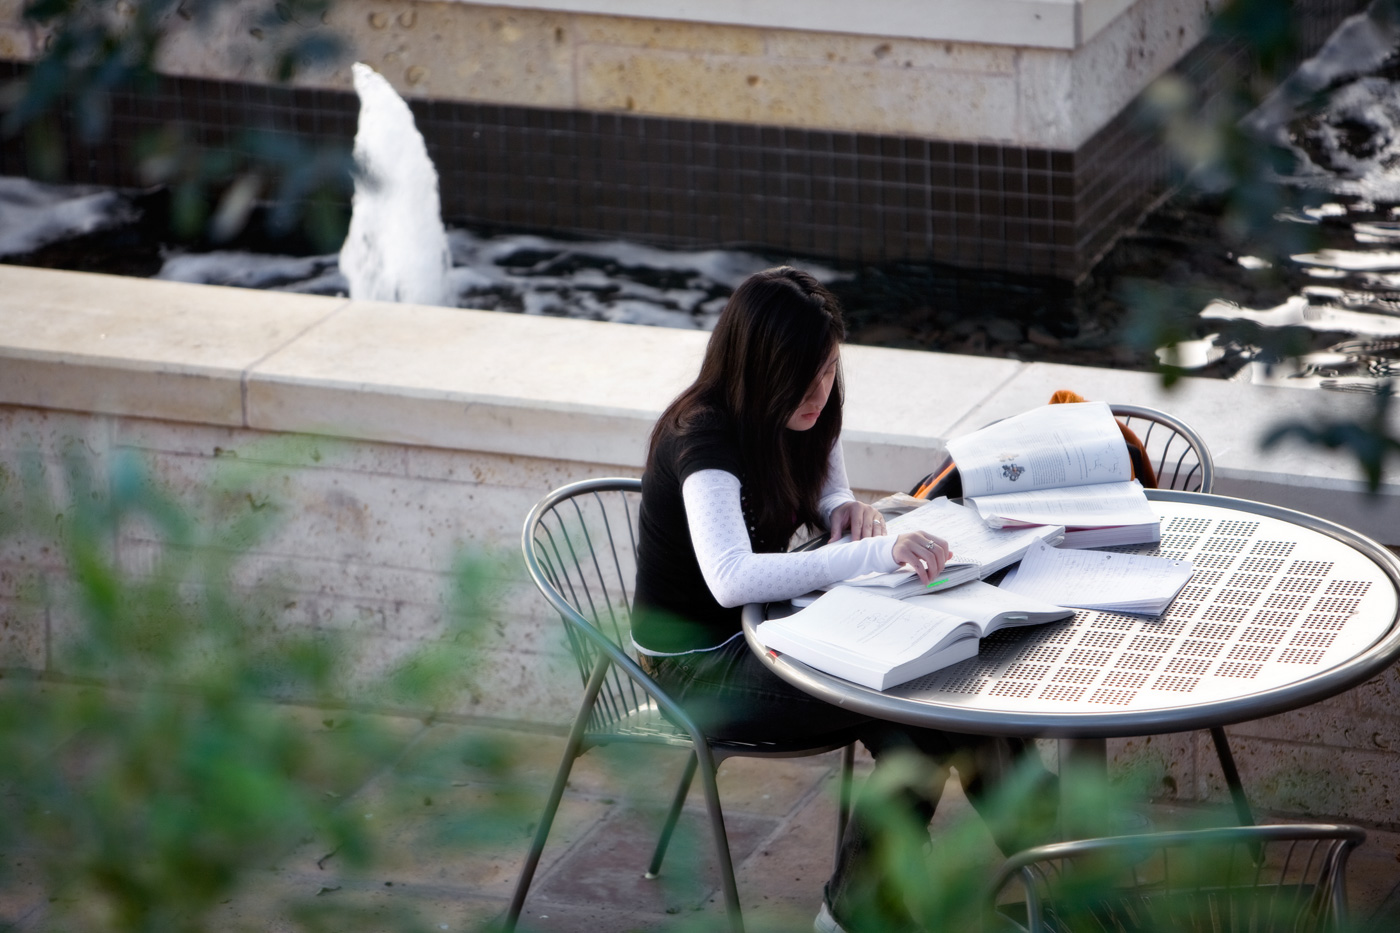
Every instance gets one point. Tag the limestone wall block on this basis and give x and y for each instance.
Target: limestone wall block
(1380, 694)
(1335, 721)
(1064, 98)
(796, 93)
(23, 631)
(53, 436)
(536, 474)
(459, 51)
(668, 34)
(231, 446)
(16, 36)
(1055, 96)
(340, 515)
(1310, 779)
(181, 353)
(510, 684)
(230, 43)
(892, 53)
(1162, 766)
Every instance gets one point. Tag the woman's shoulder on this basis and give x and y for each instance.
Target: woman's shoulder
(703, 439)
(708, 419)
(702, 423)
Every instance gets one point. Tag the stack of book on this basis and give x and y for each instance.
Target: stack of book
(1057, 465)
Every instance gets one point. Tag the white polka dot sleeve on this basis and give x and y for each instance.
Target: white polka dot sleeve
(736, 575)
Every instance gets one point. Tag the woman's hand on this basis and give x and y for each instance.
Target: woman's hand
(861, 520)
(925, 554)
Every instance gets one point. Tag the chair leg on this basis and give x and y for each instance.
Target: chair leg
(532, 861)
(726, 864)
(843, 802)
(1232, 776)
(672, 816)
(572, 749)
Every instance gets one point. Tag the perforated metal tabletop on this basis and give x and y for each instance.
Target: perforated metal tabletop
(1283, 609)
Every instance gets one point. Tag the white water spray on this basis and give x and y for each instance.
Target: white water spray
(396, 248)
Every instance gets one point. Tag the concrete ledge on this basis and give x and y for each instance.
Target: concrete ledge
(1055, 24)
(575, 391)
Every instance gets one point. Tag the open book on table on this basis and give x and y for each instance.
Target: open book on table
(878, 642)
(1060, 465)
(979, 550)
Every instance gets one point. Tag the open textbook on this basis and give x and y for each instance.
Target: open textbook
(979, 550)
(1058, 465)
(878, 642)
(1099, 579)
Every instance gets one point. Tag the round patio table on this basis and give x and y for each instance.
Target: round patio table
(1283, 609)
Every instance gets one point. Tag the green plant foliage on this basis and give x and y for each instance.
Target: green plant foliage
(162, 782)
(97, 49)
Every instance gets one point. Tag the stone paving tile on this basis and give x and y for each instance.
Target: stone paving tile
(597, 917)
(378, 741)
(465, 839)
(771, 786)
(608, 865)
(22, 895)
(785, 875)
(1374, 874)
(284, 898)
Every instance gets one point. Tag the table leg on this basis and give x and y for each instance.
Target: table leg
(1083, 769)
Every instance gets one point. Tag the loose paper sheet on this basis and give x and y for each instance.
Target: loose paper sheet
(1099, 579)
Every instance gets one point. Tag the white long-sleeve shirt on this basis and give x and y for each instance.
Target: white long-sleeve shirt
(736, 575)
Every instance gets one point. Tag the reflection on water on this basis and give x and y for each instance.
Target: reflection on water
(1347, 294)
(1348, 147)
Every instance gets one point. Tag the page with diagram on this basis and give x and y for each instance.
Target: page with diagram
(1058, 464)
(1045, 448)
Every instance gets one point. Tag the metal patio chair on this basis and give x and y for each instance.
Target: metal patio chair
(1249, 879)
(580, 546)
(1177, 453)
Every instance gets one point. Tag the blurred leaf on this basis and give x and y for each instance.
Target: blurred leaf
(97, 50)
(149, 800)
(1369, 440)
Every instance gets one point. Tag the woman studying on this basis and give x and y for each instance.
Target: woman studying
(741, 460)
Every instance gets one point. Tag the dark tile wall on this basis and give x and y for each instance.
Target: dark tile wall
(849, 197)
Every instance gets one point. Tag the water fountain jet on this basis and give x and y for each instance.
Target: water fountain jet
(396, 247)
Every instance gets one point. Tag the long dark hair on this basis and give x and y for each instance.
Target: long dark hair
(769, 345)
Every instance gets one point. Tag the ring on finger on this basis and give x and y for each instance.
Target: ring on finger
(877, 522)
(930, 545)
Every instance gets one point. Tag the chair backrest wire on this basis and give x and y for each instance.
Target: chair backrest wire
(1257, 879)
(578, 543)
(1178, 455)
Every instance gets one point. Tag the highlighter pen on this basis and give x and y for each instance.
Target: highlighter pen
(936, 582)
